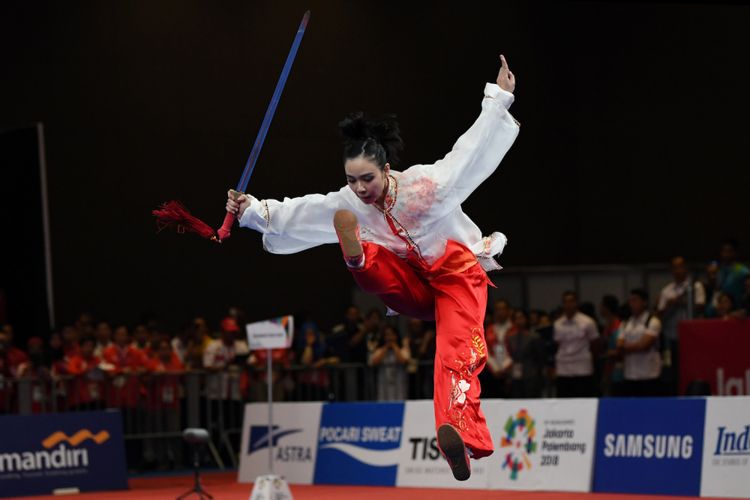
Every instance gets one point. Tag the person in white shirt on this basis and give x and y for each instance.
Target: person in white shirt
(406, 239)
(678, 301)
(575, 334)
(639, 344)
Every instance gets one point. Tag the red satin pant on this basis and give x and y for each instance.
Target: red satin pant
(453, 293)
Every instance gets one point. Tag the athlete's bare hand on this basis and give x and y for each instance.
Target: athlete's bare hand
(505, 78)
(237, 206)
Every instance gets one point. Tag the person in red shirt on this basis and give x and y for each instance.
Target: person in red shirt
(141, 340)
(6, 375)
(86, 388)
(165, 373)
(124, 363)
(70, 337)
(16, 357)
(167, 368)
(37, 370)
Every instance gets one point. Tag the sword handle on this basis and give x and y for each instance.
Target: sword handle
(225, 231)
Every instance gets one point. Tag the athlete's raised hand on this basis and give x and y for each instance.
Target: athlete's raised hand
(505, 78)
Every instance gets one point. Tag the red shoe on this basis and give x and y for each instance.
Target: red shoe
(452, 445)
(347, 230)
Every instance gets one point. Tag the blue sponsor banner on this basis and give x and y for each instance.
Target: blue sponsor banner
(41, 453)
(359, 443)
(649, 445)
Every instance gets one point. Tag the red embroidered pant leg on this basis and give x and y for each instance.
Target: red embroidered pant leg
(454, 292)
(395, 282)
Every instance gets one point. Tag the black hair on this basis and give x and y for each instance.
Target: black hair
(522, 311)
(87, 338)
(640, 292)
(376, 140)
(732, 242)
(611, 303)
(570, 293)
(399, 337)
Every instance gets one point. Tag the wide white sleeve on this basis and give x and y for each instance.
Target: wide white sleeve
(478, 152)
(295, 224)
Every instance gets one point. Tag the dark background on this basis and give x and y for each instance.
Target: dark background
(632, 146)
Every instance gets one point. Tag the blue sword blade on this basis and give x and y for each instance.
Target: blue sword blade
(261, 137)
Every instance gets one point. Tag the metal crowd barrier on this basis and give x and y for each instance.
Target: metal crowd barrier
(157, 406)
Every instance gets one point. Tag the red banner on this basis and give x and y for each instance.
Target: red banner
(718, 352)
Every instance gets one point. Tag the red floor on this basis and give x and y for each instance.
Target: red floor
(224, 486)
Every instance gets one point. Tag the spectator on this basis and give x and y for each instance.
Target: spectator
(54, 352)
(679, 300)
(103, 335)
(575, 334)
(141, 340)
(164, 405)
(338, 340)
(732, 274)
(86, 389)
(15, 357)
(37, 370)
(538, 319)
(612, 371)
(526, 352)
(422, 344)
(36, 366)
(123, 363)
(724, 306)
(494, 377)
(219, 358)
(314, 380)
(180, 343)
(7, 374)
(195, 348)
(202, 333)
(391, 358)
(639, 345)
(85, 324)
(225, 359)
(70, 336)
(360, 343)
(421, 338)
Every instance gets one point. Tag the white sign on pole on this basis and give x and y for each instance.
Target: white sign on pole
(276, 333)
(726, 448)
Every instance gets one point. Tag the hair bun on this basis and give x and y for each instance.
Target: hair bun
(356, 128)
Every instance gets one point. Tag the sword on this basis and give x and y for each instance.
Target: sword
(225, 230)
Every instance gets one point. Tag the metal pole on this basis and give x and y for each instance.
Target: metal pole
(270, 414)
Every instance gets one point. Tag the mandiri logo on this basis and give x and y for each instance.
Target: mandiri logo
(520, 431)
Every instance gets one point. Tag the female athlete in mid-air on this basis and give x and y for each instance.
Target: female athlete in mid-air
(405, 238)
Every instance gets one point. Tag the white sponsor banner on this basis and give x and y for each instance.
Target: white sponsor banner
(294, 440)
(542, 444)
(420, 461)
(274, 333)
(726, 448)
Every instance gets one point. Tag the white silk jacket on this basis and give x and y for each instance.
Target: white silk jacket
(423, 204)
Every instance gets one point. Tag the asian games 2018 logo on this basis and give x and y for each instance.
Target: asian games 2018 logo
(520, 432)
